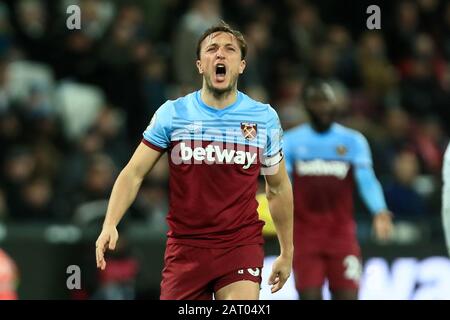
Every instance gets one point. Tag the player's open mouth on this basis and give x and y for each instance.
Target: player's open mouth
(221, 71)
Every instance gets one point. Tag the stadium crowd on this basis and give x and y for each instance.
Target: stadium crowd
(74, 103)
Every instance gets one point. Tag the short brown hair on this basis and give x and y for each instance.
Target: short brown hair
(222, 26)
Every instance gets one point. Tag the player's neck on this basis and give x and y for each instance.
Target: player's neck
(320, 129)
(218, 101)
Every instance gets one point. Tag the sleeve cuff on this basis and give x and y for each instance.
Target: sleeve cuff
(273, 160)
(152, 146)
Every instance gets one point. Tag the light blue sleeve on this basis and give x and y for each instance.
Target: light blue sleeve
(159, 129)
(362, 155)
(370, 189)
(368, 185)
(274, 139)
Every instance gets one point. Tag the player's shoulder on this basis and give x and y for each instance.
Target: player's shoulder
(258, 107)
(297, 131)
(348, 133)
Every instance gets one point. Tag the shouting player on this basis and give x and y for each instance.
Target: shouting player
(218, 141)
(324, 160)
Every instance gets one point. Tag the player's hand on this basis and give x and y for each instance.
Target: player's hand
(106, 240)
(281, 271)
(383, 226)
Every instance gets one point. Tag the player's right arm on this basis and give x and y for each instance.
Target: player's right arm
(123, 194)
(370, 189)
(156, 140)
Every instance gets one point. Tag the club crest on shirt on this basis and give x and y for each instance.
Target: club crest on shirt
(249, 130)
(341, 150)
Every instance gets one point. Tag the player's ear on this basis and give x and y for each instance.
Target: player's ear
(199, 67)
(242, 66)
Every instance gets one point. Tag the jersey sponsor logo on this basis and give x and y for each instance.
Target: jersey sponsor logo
(213, 153)
(249, 130)
(320, 167)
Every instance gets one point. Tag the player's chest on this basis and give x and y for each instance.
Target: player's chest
(244, 131)
(322, 159)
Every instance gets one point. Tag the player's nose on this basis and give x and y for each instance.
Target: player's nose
(220, 53)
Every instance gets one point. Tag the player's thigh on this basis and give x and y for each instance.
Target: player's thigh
(238, 272)
(184, 278)
(343, 273)
(239, 290)
(309, 271)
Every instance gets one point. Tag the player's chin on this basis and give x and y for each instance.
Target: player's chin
(220, 84)
(221, 87)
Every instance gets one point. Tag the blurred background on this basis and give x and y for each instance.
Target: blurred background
(74, 104)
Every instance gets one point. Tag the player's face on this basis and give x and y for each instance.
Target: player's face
(321, 111)
(220, 62)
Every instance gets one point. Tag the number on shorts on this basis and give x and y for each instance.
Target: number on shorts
(353, 267)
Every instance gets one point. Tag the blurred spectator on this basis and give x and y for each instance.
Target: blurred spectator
(110, 127)
(3, 206)
(404, 201)
(98, 179)
(5, 30)
(430, 144)
(257, 36)
(201, 15)
(154, 84)
(404, 29)
(393, 137)
(346, 64)
(445, 31)
(306, 31)
(36, 203)
(89, 200)
(377, 74)
(18, 168)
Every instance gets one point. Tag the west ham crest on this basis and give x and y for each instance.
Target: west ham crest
(248, 130)
(341, 150)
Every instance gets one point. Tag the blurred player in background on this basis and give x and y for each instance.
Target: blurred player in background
(218, 140)
(324, 160)
(446, 197)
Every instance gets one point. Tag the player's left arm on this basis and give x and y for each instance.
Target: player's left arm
(371, 191)
(279, 195)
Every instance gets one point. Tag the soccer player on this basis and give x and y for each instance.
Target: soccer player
(446, 197)
(218, 141)
(325, 160)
